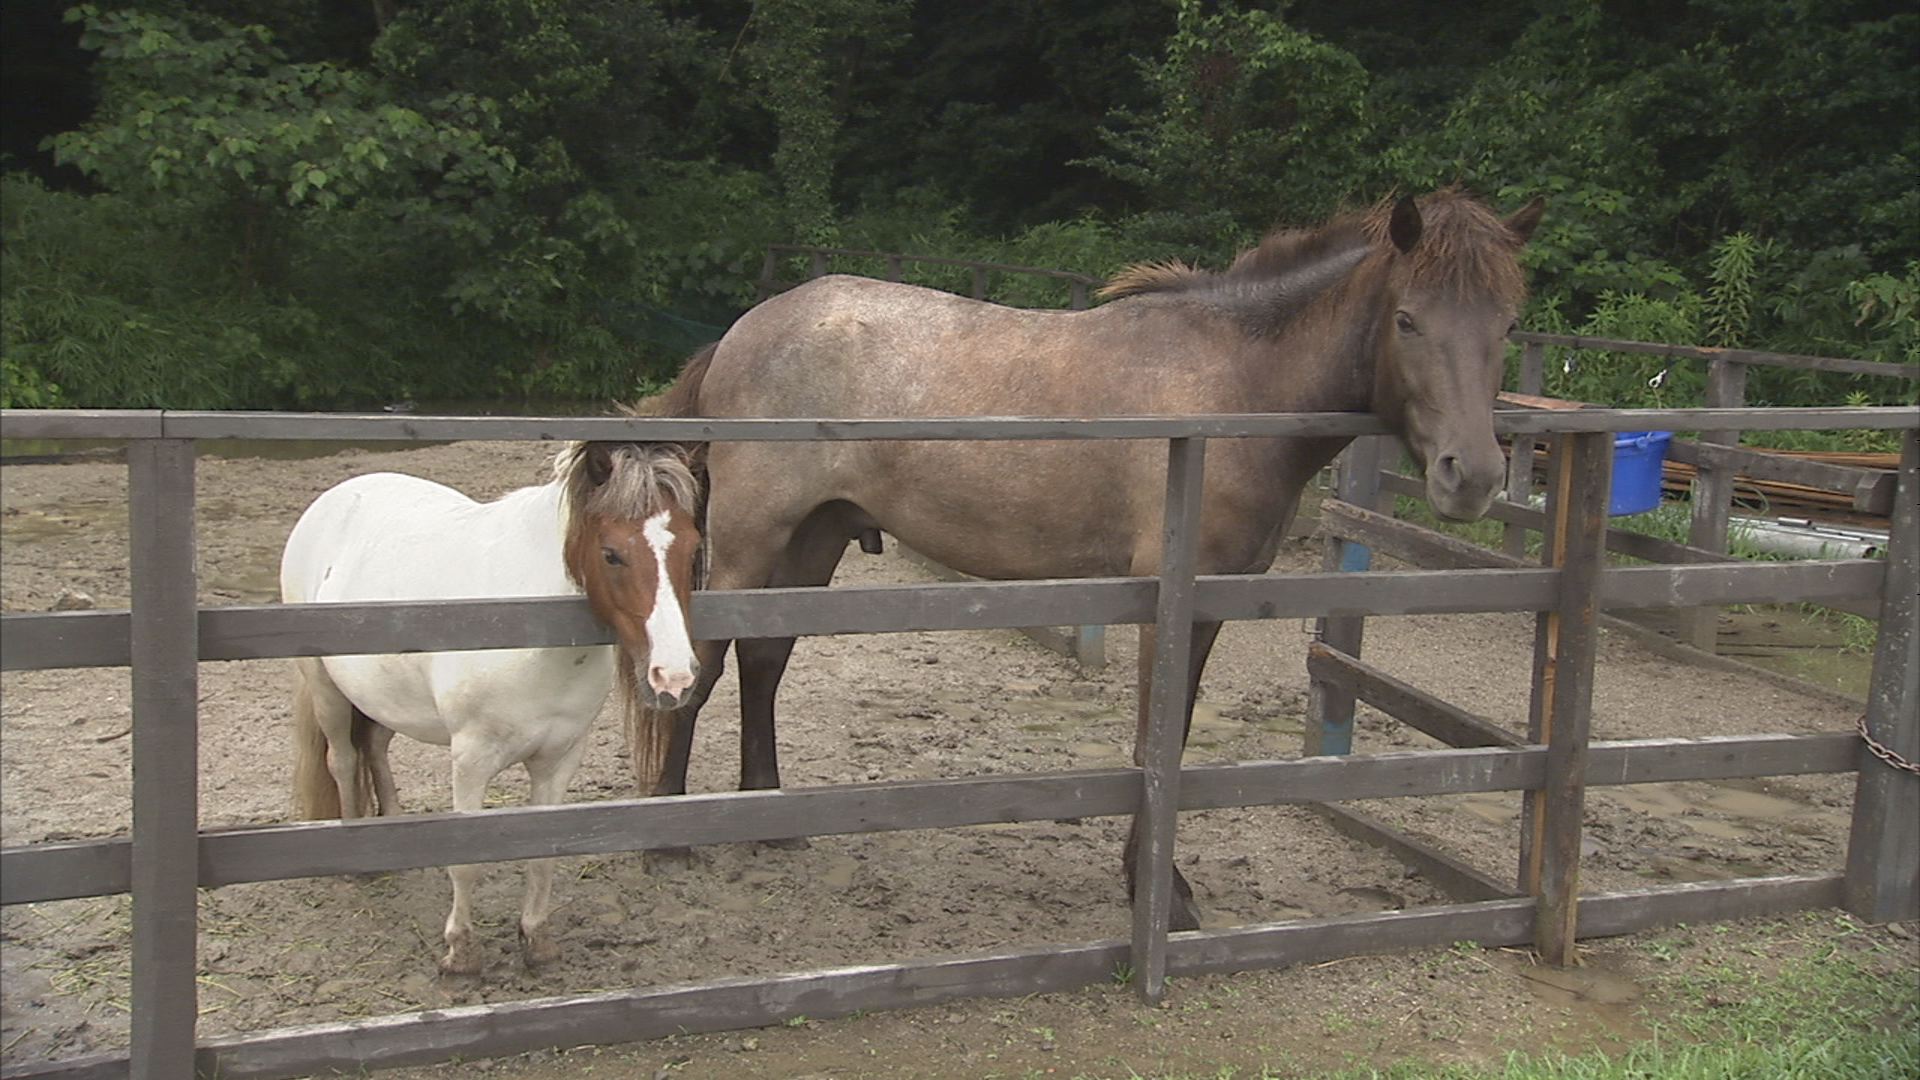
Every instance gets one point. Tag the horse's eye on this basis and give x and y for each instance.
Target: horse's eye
(613, 557)
(1404, 321)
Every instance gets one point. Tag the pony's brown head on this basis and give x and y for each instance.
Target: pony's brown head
(634, 545)
(1458, 288)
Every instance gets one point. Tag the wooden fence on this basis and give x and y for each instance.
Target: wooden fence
(1717, 456)
(166, 858)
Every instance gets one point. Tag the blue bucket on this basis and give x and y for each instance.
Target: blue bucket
(1637, 458)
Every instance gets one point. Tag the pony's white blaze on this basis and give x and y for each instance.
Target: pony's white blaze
(670, 668)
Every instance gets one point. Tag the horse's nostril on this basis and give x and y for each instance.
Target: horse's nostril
(1447, 470)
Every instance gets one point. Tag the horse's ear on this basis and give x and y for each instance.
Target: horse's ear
(1527, 218)
(599, 463)
(1403, 228)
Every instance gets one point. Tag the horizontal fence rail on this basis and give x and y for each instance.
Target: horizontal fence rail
(259, 632)
(71, 869)
(1749, 357)
(167, 424)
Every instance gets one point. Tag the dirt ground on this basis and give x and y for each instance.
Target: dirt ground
(855, 709)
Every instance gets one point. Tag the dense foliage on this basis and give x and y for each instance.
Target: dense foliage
(312, 204)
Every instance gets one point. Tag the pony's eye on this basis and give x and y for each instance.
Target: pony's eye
(1404, 321)
(613, 557)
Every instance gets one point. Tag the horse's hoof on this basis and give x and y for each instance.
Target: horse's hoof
(667, 861)
(462, 961)
(788, 843)
(538, 949)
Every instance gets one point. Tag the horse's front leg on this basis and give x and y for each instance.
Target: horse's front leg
(762, 663)
(547, 778)
(475, 763)
(1183, 915)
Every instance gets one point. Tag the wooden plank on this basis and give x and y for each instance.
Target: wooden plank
(1712, 501)
(59, 639)
(1566, 647)
(166, 784)
(82, 423)
(1407, 541)
(478, 1031)
(1165, 735)
(1461, 881)
(1613, 914)
(1738, 356)
(1329, 727)
(26, 424)
(256, 632)
(67, 870)
(91, 1067)
(1871, 489)
(1883, 851)
(1404, 702)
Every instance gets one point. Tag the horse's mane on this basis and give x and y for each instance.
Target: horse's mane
(646, 478)
(1464, 248)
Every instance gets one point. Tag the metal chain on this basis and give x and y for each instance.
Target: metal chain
(1884, 753)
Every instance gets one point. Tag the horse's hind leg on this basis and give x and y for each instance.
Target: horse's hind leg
(379, 766)
(547, 776)
(326, 764)
(475, 763)
(1182, 915)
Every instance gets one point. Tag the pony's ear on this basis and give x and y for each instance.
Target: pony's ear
(1527, 218)
(599, 463)
(1403, 228)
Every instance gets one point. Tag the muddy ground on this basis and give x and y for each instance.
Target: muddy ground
(853, 709)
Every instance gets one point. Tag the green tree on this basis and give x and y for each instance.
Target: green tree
(1254, 120)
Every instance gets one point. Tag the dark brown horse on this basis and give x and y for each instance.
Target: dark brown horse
(1402, 311)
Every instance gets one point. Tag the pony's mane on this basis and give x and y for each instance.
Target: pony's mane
(1464, 249)
(646, 479)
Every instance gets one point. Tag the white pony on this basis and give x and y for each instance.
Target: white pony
(619, 522)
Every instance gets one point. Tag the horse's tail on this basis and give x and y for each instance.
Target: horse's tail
(649, 731)
(683, 397)
(315, 795)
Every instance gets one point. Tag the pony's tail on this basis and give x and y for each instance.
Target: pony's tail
(649, 732)
(315, 795)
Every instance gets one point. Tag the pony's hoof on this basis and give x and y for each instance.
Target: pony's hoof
(789, 843)
(462, 960)
(538, 949)
(666, 862)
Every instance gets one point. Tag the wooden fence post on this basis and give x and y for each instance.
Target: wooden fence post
(1166, 708)
(166, 781)
(1566, 641)
(893, 268)
(1533, 376)
(1077, 296)
(1883, 851)
(817, 265)
(1713, 494)
(1329, 706)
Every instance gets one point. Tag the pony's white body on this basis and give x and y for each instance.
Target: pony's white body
(386, 536)
(391, 537)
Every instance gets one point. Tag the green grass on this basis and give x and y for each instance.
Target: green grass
(1824, 1018)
